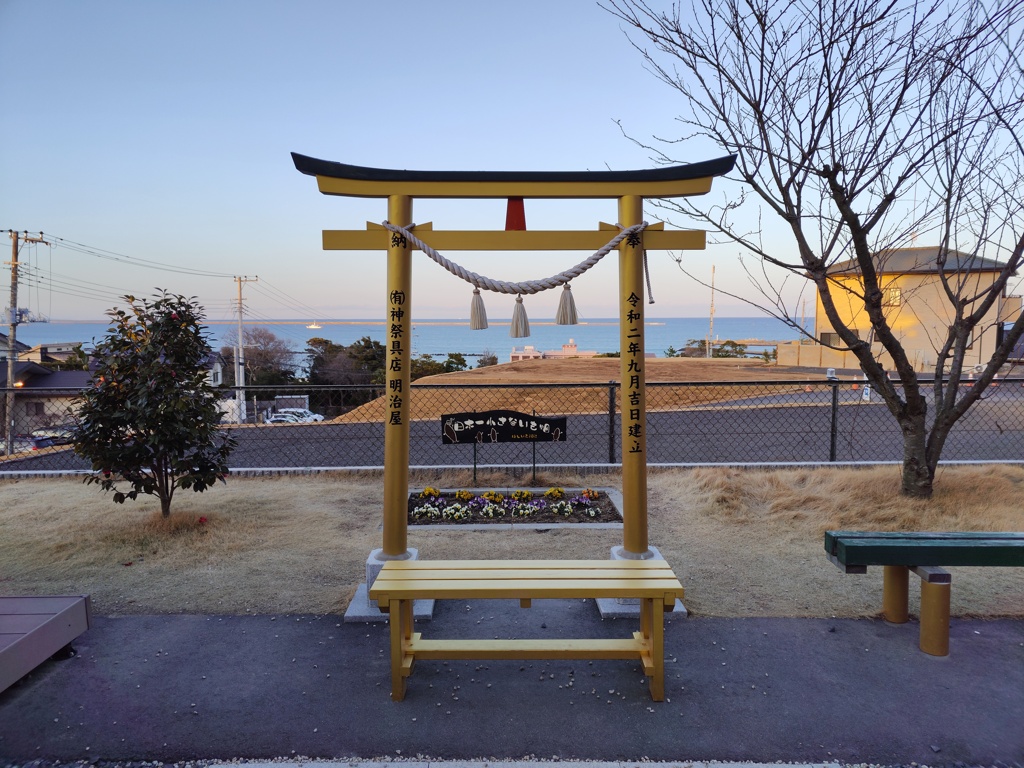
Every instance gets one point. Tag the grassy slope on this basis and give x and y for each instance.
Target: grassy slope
(744, 542)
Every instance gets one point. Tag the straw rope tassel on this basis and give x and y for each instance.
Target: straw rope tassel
(520, 323)
(566, 314)
(477, 312)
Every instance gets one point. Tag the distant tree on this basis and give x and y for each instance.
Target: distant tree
(695, 348)
(425, 365)
(608, 354)
(269, 359)
(370, 357)
(150, 418)
(487, 359)
(729, 348)
(455, 362)
(672, 352)
(320, 353)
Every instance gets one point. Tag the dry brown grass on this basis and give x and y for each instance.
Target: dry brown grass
(744, 542)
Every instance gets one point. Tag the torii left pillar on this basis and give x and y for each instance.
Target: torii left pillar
(398, 357)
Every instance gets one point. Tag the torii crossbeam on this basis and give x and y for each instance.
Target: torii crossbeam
(630, 188)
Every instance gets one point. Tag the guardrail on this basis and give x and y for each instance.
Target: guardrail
(768, 422)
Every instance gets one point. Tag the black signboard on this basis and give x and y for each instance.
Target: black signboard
(501, 427)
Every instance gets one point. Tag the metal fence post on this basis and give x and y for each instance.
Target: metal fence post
(611, 422)
(835, 422)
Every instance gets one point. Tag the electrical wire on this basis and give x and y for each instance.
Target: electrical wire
(121, 258)
(289, 302)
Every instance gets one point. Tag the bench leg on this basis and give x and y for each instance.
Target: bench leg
(895, 583)
(935, 618)
(652, 632)
(400, 620)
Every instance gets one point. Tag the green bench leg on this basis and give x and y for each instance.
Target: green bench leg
(895, 583)
(935, 618)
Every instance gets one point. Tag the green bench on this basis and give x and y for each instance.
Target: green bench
(925, 554)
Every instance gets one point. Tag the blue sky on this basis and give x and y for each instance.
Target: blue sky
(162, 131)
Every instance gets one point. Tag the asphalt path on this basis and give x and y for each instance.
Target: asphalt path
(182, 687)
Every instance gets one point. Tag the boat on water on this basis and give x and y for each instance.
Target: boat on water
(314, 326)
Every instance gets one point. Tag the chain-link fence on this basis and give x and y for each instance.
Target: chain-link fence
(786, 422)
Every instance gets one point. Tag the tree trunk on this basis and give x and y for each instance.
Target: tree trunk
(918, 476)
(165, 505)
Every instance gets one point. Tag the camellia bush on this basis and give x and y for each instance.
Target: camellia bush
(149, 422)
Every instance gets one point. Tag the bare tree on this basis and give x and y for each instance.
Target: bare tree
(269, 359)
(860, 124)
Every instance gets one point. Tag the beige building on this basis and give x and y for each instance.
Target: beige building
(915, 305)
(532, 353)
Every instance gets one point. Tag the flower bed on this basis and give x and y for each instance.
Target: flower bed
(555, 505)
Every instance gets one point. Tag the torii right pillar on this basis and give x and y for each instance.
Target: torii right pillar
(633, 408)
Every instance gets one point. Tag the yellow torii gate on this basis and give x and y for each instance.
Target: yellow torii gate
(400, 187)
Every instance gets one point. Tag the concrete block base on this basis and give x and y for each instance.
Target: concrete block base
(362, 609)
(623, 608)
(610, 608)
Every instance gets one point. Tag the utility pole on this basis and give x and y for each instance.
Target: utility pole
(711, 324)
(240, 354)
(12, 337)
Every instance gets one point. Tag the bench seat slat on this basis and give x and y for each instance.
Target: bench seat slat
(833, 538)
(442, 589)
(521, 573)
(972, 552)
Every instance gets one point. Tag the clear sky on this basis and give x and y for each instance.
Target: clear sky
(162, 131)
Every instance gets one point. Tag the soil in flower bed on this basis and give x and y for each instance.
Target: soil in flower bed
(600, 510)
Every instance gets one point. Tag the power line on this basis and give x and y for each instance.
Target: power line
(122, 258)
(278, 294)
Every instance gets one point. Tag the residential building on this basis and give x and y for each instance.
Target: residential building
(916, 307)
(42, 398)
(19, 348)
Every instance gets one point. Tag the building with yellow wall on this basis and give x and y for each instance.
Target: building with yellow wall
(915, 305)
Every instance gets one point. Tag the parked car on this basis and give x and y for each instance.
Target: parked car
(283, 418)
(23, 443)
(60, 435)
(303, 414)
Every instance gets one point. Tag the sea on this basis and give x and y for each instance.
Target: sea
(441, 337)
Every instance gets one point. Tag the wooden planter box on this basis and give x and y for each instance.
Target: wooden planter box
(32, 629)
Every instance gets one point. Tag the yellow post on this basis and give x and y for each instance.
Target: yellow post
(632, 310)
(934, 638)
(894, 593)
(398, 346)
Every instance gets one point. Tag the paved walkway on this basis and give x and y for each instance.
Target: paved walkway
(174, 688)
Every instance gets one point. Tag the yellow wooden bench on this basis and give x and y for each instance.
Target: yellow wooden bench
(402, 581)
